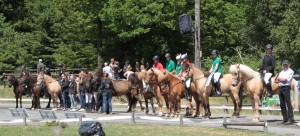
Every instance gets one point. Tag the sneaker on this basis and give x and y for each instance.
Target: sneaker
(64, 109)
(81, 109)
(283, 122)
(74, 110)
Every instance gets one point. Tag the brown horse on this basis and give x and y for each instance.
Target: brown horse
(53, 87)
(177, 92)
(18, 89)
(136, 80)
(124, 87)
(254, 87)
(156, 79)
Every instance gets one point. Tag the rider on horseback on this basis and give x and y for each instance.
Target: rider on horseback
(267, 68)
(170, 65)
(216, 70)
(187, 83)
(157, 64)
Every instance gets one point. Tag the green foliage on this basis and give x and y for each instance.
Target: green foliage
(78, 32)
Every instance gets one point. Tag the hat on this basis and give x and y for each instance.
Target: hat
(178, 57)
(40, 60)
(285, 62)
(184, 56)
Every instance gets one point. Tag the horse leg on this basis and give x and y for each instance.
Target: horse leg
(49, 101)
(179, 106)
(234, 105)
(38, 103)
(237, 102)
(256, 102)
(167, 101)
(20, 101)
(129, 103)
(253, 106)
(152, 105)
(17, 100)
(146, 103)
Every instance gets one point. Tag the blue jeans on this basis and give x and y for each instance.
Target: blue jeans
(82, 100)
(63, 96)
(73, 101)
(106, 98)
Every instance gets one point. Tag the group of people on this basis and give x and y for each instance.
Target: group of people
(112, 71)
(284, 80)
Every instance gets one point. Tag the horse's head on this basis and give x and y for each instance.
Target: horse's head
(40, 78)
(187, 71)
(236, 74)
(11, 80)
(151, 76)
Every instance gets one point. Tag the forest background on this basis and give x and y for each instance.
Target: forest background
(78, 33)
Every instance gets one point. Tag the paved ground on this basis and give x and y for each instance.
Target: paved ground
(120, 116)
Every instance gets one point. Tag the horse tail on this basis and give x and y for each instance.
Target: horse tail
(241, 92)
(295, 88)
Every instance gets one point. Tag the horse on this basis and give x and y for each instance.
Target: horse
(53, 87)
(136, 80)
(156, 79)
(202, 92)
(177, 92)
(17, 88)
(254, 88)
(124, 87)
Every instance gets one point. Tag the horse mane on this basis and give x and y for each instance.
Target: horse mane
(160, 75)
(49, 78)
(140, 75)
(244, 69)
(171, 75)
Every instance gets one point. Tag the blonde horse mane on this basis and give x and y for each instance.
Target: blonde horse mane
(250, 73)
(160, 75)
(141, 75)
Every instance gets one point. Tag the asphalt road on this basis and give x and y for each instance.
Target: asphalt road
(120, 116)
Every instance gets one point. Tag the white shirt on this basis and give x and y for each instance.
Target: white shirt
(287, 74)
(108, 70)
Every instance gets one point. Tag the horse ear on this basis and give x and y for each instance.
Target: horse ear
(164, 72)
(152, 70)
(238, 66)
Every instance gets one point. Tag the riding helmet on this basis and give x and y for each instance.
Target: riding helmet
(155, 57)
(214, 52)
(60, 65)
(47, 69)
(269, 46)
(23, 66)
(184, 56)
(168, 55)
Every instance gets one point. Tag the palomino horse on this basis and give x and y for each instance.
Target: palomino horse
(136, 80)
(254, 87)
(18, 89)
(53, 87)
(202, 92)
(155, 79)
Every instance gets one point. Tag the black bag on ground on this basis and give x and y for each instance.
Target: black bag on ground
(91, 128)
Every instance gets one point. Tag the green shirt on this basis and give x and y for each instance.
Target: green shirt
(218, 61)
(170, 65)
(178, 69)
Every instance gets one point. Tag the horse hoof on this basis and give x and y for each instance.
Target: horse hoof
(160, 114)
(32, 108)
(54, 109)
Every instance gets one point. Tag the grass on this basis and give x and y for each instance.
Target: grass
(6, 92)
(132, 130)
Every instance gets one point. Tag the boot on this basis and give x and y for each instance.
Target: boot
(269, 89)
(189, 90)
(218, 89)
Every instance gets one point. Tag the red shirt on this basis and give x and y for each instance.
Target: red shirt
(159, 66)
(185, 62)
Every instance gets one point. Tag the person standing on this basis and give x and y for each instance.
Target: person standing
(216, 71)
(170, 65)
(267, 68)
(72, 92)
(61, 69)
(64, 90)
(106, 89)
(157, 64)
(128, 72)
(107, 69)
(117, 71)
(82, 87)
(284, 81)
(40, 66)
